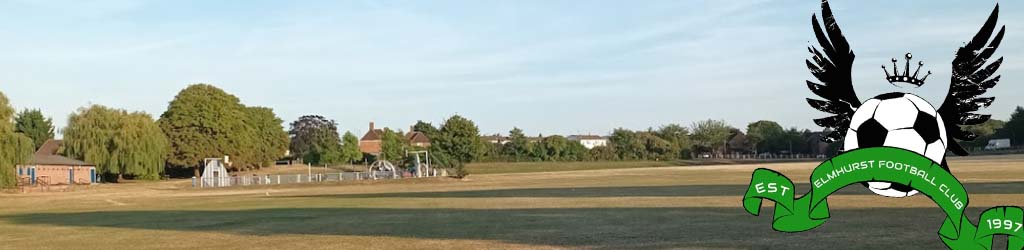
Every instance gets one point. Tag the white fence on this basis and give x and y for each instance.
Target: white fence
(759, 156)
(251, 180)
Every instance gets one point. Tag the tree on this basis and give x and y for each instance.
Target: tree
(576, 152)
(140, 147)
(458, 143)
(350, 148)
(426, 128)
(656, 148)
(538, 152)
(556, 148)
(602, 153)
(766, 136)
(315, 139)
(202, 122)
(33, 124)
(118, 142)
(15, 148)
(517, 147)
(270, 139)
(986, 131)
(794, 141)
(393, 146)
(627, 144)
(711, 135)
(679, 137)
(1014, 128)
(6, 115)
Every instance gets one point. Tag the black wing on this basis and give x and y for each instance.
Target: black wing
(971, 78)
(833, 72)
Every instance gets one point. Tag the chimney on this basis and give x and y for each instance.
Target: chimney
(371, 126)
(411, 129)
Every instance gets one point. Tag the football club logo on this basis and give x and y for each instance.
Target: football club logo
(894, 144)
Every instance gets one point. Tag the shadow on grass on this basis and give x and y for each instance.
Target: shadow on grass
(604, 228)
(643, 191)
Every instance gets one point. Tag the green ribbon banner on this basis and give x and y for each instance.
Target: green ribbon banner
(888, 164)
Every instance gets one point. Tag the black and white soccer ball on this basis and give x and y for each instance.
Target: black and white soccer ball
(898, 120)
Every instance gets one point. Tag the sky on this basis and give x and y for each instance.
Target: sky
(548, 67)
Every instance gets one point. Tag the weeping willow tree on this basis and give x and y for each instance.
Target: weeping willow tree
(141, 147)
(118, 142)
(14, 148)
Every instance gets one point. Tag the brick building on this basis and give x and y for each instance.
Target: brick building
(49, 167)
(370, 143)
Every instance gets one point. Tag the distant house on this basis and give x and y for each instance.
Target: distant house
(816, 144)
(495, 139)
(49, 167)
(418, 139)
(738, 143)
(590, 141)
(370, 143)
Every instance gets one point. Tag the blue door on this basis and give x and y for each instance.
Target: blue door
(92, 175)
(32, 173)
(71, 175)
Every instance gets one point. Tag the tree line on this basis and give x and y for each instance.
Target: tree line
(315, 140)
(667, 142)
(1012, 129)
(203, 121)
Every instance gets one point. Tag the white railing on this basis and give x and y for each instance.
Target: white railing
(252, 180)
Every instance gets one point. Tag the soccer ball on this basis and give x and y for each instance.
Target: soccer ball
(898, 120)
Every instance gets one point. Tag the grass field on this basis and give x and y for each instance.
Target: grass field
(647, 207)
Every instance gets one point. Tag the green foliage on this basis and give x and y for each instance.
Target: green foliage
(393, 146)
(140, 147)
(458, 142)
(89, 135)
(711, 135)
(796, 140)
(459, 169)
(987, 128)
(556, 148)
(427, 129)
(602, 153)
(767, 136)
(493, 152)
(118, 142)
(15, 148)
(986, 131)
(203, 122)
(6, 115)
(315, 139)
(459, 138)
(350, 148)
(627, 144)
(33, 124)
(269, 140)
(679, 137)
(1014, 128)
(656, 148)
(517, 148)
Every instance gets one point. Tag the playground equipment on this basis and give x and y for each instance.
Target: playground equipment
(383, 169)
(422, 165)
(215, 174)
